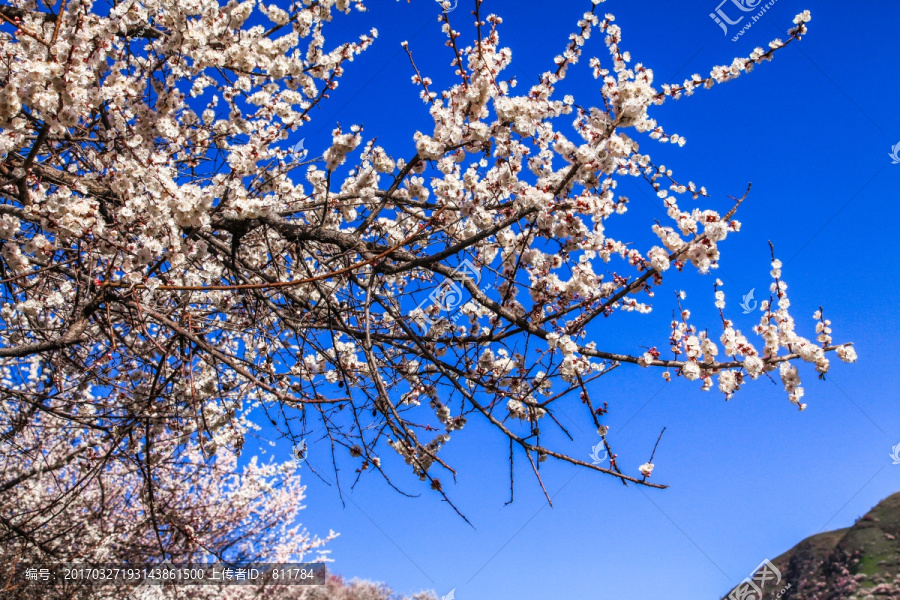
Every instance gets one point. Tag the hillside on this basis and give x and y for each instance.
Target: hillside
(861, 562)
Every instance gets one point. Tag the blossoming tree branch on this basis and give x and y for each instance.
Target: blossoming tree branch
(173, 276)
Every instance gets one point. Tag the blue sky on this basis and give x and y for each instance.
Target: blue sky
(749, 478)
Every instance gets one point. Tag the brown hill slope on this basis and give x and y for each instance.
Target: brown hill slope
(861, 562)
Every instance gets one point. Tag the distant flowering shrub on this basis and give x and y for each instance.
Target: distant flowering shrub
(170, 273)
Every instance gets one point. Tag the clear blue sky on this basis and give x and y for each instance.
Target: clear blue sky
(749, 478)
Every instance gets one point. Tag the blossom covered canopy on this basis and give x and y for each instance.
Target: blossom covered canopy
(172, 275)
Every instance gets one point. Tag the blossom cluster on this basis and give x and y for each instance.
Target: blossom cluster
(164, 253)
